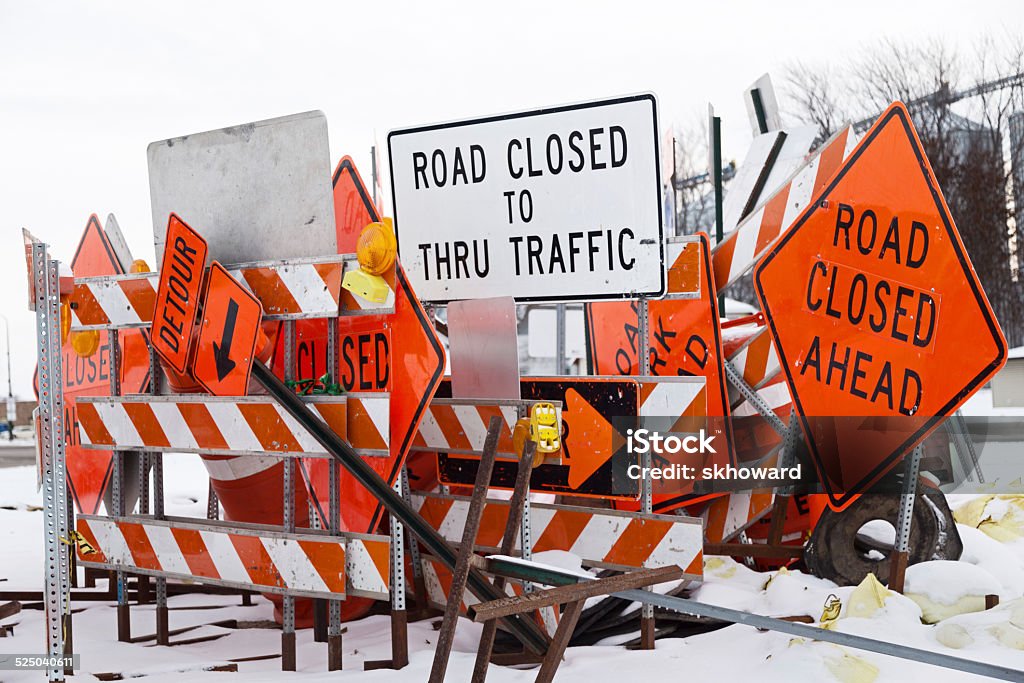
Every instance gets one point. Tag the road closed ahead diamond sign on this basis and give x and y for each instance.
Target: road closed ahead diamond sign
(546, 205)
(880, 321)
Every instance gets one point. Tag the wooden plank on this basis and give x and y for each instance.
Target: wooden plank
(9, 609)
(563, 633)
(462, 565)
(517, 604)
(508, 542)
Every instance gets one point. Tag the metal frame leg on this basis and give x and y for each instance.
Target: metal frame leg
(898, 566)
(51, 414)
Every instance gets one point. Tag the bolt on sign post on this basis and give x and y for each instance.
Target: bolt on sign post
(544, 205)
(876, 311)
(177, 296)
(227, 338)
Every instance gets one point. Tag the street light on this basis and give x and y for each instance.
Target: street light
(11, 407)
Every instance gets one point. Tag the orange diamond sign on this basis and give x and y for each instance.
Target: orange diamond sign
(881, 324)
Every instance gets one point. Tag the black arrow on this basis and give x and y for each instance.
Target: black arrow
(221, 351)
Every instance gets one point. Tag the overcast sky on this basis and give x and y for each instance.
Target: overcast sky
(84, 87)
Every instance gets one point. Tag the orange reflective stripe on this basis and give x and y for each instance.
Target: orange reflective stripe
(327, 558)
(268, 287)
(637, 541)
(257, 562)
(194, 550)
(562, 531)
(89, 420)
(146, 424)
(141, 296)
(86, 307)
(204, 429)
(138, 543)
(271, 431)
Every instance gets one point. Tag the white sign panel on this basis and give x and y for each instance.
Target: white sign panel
(549, 205)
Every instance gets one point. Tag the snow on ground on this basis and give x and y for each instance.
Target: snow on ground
(733, 653)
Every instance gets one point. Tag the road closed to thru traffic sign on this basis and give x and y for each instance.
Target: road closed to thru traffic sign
(545, 205)
(876, 311)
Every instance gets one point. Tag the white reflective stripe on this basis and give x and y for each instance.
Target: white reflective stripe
(775, 395)
(454, 521)
(378, 409)
(851, 141)
(75, 322)
(173, 423)
(237, 467)
(737, 513)
(224, 557)
(166, 548)
(294, 565)
(306, 441)
(431, 431)
(233, 427)
(800, 190)
(679, 546)
(120, 427)
(111, 542)
(746, 242)
(671, 398)
(740, 359)
(361, 571)
(511, 414)
(472, 425)
(435, 593)
(307, 288)
(115, 304)
(598, 537)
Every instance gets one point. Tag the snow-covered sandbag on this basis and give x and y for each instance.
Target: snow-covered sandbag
(1001, 517)
(943, 588)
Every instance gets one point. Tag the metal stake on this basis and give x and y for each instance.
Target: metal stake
(901, 552)
(560, 368)
(157, 461)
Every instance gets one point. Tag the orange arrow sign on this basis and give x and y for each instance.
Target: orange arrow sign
(592, 438)
(227, 336)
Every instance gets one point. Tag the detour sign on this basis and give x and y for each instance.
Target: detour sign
(880, 321)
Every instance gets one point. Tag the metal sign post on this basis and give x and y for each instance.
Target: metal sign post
(45, 287)
(288, 602)
(901, 550)
(647, 623)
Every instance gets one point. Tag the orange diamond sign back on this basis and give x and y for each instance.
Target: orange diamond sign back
(880, 321)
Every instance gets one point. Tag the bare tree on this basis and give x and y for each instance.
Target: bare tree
(962, 121)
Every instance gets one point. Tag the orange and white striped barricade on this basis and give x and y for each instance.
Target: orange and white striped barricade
(230, 426)
(736, 254)
(290, 290)
(590, 442)
(219, 553)
(607, 539)
(460, 425)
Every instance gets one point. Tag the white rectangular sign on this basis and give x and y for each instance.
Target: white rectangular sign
(548, 205)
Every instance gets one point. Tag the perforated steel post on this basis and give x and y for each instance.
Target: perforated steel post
(646, 492)
(124, 624)
(157, 461)
(51, 416)
(399, 616)
(334, 636)
(288, 602)
(901, 550)
(560, 368)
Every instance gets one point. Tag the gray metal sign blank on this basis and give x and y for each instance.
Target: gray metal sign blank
(257, 192)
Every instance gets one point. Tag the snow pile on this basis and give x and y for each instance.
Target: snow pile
(944, 588)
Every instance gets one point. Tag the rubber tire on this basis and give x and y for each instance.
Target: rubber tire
(831, 552)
